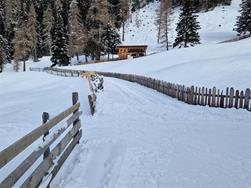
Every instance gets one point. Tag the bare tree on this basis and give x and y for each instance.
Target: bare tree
(25, 40)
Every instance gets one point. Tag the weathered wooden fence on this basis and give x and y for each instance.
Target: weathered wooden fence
(59, 153)
(213, 97)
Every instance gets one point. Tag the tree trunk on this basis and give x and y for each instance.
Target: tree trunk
(77, 57)
(167, 47)
(24, 66)
(123, 31)
(86, 58)
(35, 55)
(108, 56)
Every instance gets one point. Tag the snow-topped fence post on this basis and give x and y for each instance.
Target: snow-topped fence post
(45, 118)
(53, 161)
(96, 84)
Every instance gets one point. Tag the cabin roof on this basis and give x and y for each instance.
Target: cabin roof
(132, 46)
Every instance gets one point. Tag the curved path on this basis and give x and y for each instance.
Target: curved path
(141, 138)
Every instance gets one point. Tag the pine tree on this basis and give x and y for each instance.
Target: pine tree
(98, 18)
(40, 7)
(59, 42)
(77, 36)
(110, 40)
(84, 7)
(25, 39)
(12, 16)
(2, 35)
(244, 20)
(187, 27)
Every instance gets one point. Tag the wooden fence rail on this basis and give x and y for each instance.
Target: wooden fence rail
(62, 149)
(213, 97)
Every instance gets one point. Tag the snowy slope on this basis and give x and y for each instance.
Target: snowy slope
(216, 25)
(220, 65)
(140, 138)
(24, 97)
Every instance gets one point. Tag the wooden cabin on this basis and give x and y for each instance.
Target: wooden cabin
(134, 51)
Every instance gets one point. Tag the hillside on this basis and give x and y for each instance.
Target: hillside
(141, 27)
(220, 65)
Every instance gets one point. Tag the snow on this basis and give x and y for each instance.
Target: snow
(221, 65)
(139, 137)
(216, 25)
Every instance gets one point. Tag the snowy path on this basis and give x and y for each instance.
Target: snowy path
(141, 138)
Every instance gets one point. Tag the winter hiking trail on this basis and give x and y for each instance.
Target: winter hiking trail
(141, 138)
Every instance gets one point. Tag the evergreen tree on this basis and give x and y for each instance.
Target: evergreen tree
(187, 27)
(84, 7)
(98, 18)
(12, 16)
(65, 16)
(2, 35)
(110, 40)
(77, 36)
(40, 7)
(244, 20)
(59, 42)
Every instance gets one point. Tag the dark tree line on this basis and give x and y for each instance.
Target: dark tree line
(51, 24)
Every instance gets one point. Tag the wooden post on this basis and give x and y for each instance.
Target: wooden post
(191, 95)
(199, 96)
(241, 99)
(214, 97)
(203, 96)
(206, 98)
(75, 101)
(227, 98)
(222, 100)
(231, 98)
(236, 102)
(45, 118)
(247, 97)
(209, 97)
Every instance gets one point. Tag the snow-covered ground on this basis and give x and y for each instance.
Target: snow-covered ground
(221, 65)
(216, 25)
(137, 138)
(141, 138)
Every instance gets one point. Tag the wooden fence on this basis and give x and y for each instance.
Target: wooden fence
(60, 152)
(213, 97)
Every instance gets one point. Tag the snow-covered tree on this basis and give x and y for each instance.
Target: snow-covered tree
(98, 18)
(59, 41)
(244, 20)
(2, 35)
(187, 27)
(110, 40)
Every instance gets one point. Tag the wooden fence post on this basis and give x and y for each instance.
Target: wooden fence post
(45, 118)
(236, 102)
(214, 97)
(247, 97)
(241, 99)
(231, 98)
(75, 101)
